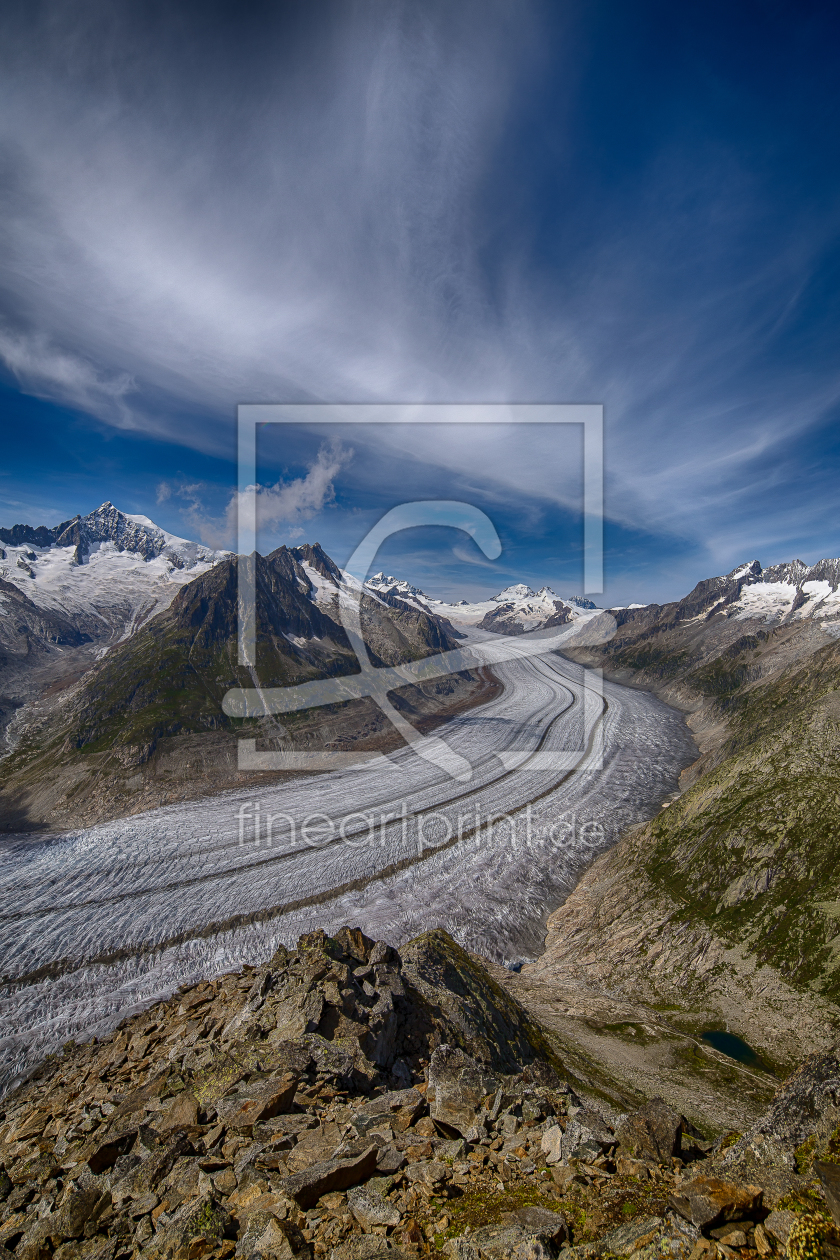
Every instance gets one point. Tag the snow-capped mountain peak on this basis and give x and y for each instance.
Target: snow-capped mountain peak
(792, 591)
(106, 566)
(383, 582)
(511, 594)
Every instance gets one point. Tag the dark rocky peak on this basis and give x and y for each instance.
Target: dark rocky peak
(317, 559)
(822, 571)
(109, 524)
(284, 606)
(26, 536)
(793, 572)
(748, 572)
(285, 563)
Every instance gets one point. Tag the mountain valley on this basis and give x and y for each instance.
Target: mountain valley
(708, 900)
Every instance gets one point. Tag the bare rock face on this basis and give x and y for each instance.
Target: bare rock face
(829, 1175)
(806, 1107)
(307, 1187)
(653, 1132)
(471, 1011)
(459, 1086)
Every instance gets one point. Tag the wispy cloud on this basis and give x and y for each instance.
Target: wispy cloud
(60, 375)
(284, 503)
(391, 203)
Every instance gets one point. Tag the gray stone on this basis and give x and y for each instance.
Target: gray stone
(390, 1159)
(429, 1171)
(459, 1085)
(263, 1233)
(548, 1226)
(370, 1208)
(307, 1186)
(534, 1249)
(587, 1135)
(493, 1242)
(551, 1144)
(369, 1247)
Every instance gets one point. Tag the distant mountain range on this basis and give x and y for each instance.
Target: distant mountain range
(118, 638)
(115, 659)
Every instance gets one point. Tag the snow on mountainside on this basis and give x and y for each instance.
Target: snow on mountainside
(782, 592)
(517, 610)
(107, 567)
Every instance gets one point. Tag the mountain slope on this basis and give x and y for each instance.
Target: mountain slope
(71, 592)
(725, 906)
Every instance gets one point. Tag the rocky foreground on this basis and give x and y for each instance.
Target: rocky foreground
(352, 1102)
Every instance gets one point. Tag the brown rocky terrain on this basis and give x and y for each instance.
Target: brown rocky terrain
(352, 1102)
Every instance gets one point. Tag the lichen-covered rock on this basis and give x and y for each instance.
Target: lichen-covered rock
(653, 1132)
(707, 1201)
(200, 1218)
(457, 1087)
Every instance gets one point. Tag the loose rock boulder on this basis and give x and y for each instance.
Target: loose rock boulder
(707, 1201)
(457, 1087)
(653, 1132)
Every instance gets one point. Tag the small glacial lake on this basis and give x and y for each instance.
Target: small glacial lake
(729, 1044)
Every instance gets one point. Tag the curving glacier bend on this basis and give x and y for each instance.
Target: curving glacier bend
(97, 922)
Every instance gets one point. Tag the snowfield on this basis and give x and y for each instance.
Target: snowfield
(121, 589)
(100, 921)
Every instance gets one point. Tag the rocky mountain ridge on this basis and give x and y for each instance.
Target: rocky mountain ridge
(107, 524)
(723, 908)
(352, 1102)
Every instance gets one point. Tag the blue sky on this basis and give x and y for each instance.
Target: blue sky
(635, 205)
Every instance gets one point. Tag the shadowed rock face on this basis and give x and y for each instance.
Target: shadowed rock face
(470, 1009)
